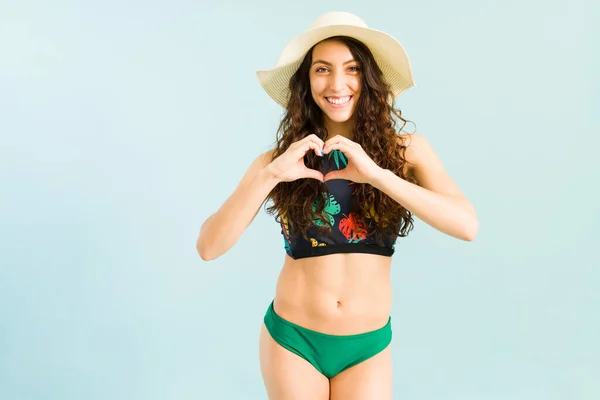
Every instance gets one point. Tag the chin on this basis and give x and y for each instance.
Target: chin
(339, 118)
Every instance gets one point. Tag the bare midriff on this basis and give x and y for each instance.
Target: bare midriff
(337, 294)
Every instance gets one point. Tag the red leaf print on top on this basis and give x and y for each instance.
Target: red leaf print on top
(353, 228)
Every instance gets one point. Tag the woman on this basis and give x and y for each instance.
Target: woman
(344, 186)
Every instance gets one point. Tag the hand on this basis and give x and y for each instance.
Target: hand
(360, 169)
(290, 166)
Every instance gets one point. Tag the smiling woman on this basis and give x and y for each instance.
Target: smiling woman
(344, 186)
(342, 67)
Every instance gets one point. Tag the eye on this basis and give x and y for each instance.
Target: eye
(320, 69)
(355, 68)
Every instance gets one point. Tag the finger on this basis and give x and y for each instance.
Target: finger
(310, 138)
(314, 138)
(319, 149)
(339, 139)
(347, 148)
(320, 145)
(305, 147)
(315, 145)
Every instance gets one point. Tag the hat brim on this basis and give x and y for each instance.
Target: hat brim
(389, 54)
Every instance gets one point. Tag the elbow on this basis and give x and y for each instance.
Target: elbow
(206, 256)
(470, 231)
(204, 251)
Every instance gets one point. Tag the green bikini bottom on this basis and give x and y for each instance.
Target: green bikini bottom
(329, 354)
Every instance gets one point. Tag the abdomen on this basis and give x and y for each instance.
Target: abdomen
(339, 294)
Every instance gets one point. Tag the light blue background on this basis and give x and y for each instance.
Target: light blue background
(123, 125)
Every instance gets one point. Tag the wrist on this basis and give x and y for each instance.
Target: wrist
(380, 177)
(268, 175)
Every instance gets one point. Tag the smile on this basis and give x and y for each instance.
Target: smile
(338, 100)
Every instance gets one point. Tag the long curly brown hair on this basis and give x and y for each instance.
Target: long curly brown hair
(375, 130)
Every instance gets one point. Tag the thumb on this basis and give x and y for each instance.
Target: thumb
(334, 175)
(313, 173)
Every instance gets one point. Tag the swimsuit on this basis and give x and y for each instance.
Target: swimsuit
(349, 233)
(332, 354)
(329, 354)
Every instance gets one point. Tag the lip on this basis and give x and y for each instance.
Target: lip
(339, 105)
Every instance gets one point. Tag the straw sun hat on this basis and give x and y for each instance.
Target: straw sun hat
(387, 51)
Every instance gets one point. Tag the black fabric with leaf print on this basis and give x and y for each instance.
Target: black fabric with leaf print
(349, 233)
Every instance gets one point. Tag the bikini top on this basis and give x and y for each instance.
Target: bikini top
(349, 233)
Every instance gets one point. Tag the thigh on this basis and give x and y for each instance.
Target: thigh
(371, 379)
(288, 376)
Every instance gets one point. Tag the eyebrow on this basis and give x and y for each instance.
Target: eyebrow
(328, 63)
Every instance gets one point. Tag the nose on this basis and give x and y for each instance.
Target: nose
(338, 81)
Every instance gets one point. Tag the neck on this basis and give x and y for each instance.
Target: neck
(339, 128)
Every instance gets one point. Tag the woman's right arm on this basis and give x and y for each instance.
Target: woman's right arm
(222, 229)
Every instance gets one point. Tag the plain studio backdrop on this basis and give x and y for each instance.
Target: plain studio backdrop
(125, 124)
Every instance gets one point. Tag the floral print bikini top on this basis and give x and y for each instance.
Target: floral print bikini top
(349, 232)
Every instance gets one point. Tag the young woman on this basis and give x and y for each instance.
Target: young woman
(344, 185)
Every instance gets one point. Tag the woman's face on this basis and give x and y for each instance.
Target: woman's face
(335, 80)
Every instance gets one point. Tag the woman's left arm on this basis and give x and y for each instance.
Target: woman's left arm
(437, 200)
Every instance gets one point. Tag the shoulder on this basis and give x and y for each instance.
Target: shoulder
(416, 145)
(417, 149)
(265, 158)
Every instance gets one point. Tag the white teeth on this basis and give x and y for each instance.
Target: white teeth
(341, 100)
